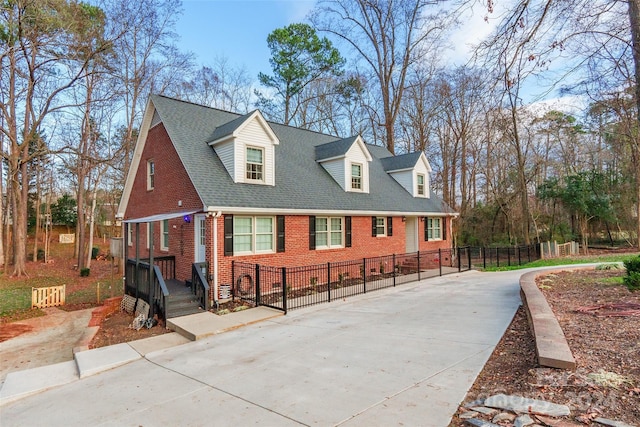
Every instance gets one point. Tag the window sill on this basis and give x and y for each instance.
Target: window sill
(241, 254)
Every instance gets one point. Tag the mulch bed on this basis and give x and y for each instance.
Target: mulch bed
(607, 351)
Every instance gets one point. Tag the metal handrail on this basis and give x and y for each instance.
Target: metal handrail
(199, 285)
(161, 297)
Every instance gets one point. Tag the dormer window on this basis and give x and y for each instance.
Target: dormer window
(255, 164)
(246, 147)
(420, 181)
(347, 161)
(356, 176)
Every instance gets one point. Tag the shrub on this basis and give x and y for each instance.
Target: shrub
(633, 281)
(84, 272)
(632, 265)
(94, 252)
(633, 274)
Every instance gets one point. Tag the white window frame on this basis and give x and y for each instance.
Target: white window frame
(164, 235)
(254, 233)
(359, 178)
(384, 226)
(151, 175)
(130, 234)
(329, 231)
(420, 188)
(432, 228)
(248, 164)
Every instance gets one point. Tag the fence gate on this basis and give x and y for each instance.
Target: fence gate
(51, 296)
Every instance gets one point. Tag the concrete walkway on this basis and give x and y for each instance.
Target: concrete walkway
(401, 356)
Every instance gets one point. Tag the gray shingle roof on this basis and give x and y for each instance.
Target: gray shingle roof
(301, 182)
(228, 128)
(334, 149)
(399, 162)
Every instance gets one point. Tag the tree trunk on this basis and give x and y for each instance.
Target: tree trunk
(634, 19)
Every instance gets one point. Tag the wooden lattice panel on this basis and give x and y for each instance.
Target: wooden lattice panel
(51, 296)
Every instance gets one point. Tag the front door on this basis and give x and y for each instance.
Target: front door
(200, 239)
(411, 229)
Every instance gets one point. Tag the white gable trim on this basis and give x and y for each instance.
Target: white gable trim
(363, 147)
(257, 116)
(423, 158)
(137, 156)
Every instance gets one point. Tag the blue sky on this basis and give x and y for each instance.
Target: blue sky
(236, 29)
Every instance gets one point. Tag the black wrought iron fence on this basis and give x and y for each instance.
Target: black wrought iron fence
(484, 257)
(286, 288)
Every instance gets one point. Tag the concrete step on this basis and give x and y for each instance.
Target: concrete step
(183, 305)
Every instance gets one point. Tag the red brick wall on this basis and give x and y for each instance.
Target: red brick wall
(297, 252)
(172, 184)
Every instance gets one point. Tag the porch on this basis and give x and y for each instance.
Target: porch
(154, 280)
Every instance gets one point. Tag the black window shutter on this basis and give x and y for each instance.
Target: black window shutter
(228, 234)
(373, 227)
(426, 228)
(347, 231)
(312, 233)
(444, 228)
(389, 226)
(280, 231)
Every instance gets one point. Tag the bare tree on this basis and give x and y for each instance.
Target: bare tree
(390, 38)
(221, 86)
(145, 59)
(39, 62)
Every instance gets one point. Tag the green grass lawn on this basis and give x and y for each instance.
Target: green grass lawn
(564, 261)
(15, 293)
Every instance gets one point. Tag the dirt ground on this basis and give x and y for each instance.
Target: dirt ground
(117, 328)
(604, 342)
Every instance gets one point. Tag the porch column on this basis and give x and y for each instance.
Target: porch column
(152, 306)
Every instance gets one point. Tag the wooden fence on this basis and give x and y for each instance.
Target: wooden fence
(51, 296)
(554, 250)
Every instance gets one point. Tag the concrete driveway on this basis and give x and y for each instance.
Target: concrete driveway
(402, 356)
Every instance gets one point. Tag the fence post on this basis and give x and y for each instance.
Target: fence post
(484, 257)
(519, 257)
(418, 265)
(233, 280)
(329, 280)
(440, 260)
(284, 289)
(394, 270)
(469, 258)
(459, 261)
(508, 256)
(497, 257)
(257, 285)
(364, 282)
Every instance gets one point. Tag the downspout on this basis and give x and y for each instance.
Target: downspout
(215, 216)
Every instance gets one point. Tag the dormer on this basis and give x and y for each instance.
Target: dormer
(246, 147)
(347, 161)
(411, 171)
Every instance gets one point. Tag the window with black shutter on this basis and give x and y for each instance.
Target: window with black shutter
(280, 233)
(312, 233)
(228, 235)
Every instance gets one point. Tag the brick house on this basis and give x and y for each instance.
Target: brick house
(213, 186)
